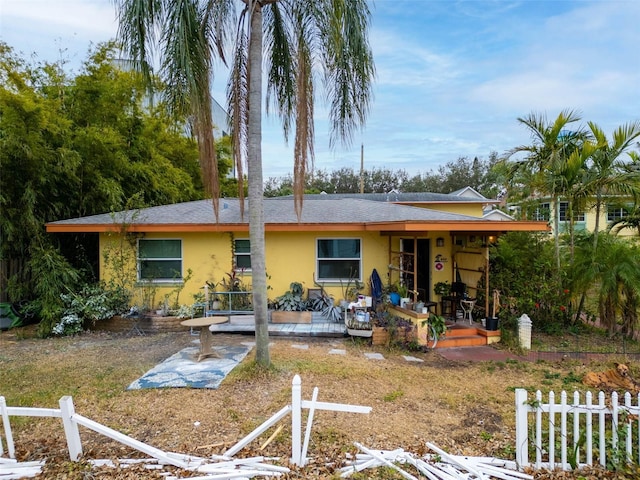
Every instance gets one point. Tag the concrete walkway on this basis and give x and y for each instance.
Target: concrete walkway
(477, 354)
(463, 354)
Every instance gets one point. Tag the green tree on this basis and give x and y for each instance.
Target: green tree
(297, 35)
(80, 146)
(631, 220)
(550, 166)
(528, 283)
(608, 173)
(479, 174)
(604, 174)
(611, 269)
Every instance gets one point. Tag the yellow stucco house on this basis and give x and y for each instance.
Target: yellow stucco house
(418, 238)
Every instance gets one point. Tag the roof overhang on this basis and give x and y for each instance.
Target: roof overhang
(397, 226)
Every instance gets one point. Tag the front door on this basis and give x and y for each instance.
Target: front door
(416, 266)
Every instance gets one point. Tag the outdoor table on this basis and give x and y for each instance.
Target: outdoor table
(205, 335)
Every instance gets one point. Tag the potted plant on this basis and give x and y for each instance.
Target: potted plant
(392, 293)
(442, 289)
(403, 291)
(211, 295)
(291, 307)
(326, 306)
(350, 290)
(358, 328)
(390, 329)
(436, 329)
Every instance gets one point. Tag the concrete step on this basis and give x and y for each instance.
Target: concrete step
(461, 330)
(461, 341)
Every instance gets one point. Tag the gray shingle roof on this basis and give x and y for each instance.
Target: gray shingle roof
(276, 211)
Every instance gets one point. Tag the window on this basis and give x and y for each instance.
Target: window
(242, 249)
(160, 260)
(541, 212)
(338, 259)
(616, 212)
(564, 217)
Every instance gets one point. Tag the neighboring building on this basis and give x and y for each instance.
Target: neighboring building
(420, 238)
(612, 209)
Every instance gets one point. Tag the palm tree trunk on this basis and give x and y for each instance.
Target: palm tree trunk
(256, 194)
(556, 232)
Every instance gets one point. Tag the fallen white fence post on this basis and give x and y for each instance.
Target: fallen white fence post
(386, 462)
(171, 459)
(257, 432)
(455, 460)
(312, 409)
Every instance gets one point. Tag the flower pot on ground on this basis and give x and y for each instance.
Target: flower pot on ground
(380, 336)
(491, 323)
(390, 329)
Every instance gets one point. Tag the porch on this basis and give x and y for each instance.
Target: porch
(459, 333)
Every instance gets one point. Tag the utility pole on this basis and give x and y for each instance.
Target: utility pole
(362, 168)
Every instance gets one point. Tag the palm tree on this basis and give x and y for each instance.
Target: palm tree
(631, 220)
(550, 166)
(612, 271)
(298, 35)
(608, 173)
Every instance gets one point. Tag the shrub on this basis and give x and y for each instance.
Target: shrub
(88, 306)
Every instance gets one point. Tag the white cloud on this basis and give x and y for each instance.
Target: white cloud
(90, 18)
(452, 76)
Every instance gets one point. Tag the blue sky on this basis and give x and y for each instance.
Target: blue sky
(452, 76)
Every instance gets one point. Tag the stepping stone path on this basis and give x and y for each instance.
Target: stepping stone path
(374, 356)
(409, 358)
(337, 351)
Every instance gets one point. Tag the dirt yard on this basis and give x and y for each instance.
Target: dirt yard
(462, 407)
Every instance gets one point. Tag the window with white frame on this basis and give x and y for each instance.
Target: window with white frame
(564, 213)
(159, 260)
(338, 259)
(617, 212)
(242, 254)
(541, 212)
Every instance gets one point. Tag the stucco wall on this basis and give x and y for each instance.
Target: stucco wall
(471, 209)
(290, 257)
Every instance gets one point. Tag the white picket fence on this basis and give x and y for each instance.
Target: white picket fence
(563, 434)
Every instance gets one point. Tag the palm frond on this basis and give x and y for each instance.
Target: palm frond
(137, 26)
(280, 66)
(348, 64)
(237, 98)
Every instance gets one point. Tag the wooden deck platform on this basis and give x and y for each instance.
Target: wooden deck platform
(459, 334)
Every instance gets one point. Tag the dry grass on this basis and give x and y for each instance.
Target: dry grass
(465, 408)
